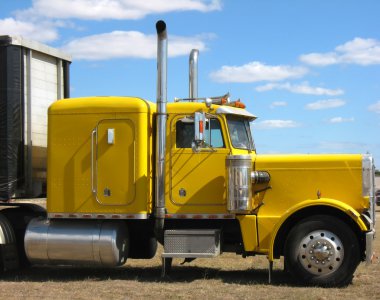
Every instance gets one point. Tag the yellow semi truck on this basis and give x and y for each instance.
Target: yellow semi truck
(125, 174)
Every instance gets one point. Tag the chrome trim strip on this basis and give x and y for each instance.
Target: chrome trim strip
(97, 216)
(93, 188)
(200, 216)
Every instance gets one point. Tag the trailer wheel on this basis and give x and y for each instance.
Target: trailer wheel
(19, 219)
(9, 259)
(322, 250)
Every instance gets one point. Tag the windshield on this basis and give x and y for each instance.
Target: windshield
(240, 132)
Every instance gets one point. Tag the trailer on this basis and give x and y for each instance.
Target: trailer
(32, 76)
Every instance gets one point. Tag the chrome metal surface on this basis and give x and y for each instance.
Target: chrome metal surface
(368, 178)
(201, 216)
(199, 128)
(77, 242)
(260, 177)
(192, 243)
(28, 123)
(96, 216)
(193, 73)
(111, 136)
(239, 187)
(212, 100)
(94, 139)
(162, 48)
(369, 251)
(321, 252)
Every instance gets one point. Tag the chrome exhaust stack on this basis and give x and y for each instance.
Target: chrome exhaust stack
(162, 53)
(193, 74)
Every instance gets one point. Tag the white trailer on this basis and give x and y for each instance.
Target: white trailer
(32, 76)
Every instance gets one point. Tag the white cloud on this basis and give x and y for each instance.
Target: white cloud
(340, 120)
(303, 88)
(325, 104)
(320, 59)
(114, 9)
(41, 21)
(276, 124)
(357, 51)
(39, 31)
(375, 107)
(256, 71)
(278, 104)
(120, 44)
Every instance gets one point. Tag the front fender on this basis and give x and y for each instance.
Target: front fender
(347, 209)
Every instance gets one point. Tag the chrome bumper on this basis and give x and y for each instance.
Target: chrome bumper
(369, 237)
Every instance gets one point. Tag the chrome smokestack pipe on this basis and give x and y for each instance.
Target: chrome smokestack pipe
(162, 50)
(193, 73)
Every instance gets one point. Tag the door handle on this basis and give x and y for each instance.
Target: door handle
(94, 171)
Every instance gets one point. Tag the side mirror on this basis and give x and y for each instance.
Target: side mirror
(199, 128)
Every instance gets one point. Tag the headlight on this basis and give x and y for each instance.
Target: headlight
(239, 193)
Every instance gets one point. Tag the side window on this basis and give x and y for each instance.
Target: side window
(213, 134)
(184, 134)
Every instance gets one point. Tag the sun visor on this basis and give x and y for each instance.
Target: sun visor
(228, 110)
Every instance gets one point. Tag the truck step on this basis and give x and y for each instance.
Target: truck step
(191, 243)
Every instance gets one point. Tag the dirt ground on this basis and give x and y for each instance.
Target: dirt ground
(226, 277)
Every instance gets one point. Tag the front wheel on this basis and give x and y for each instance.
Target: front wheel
(322, 250)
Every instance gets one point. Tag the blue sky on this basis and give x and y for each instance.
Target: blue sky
(310, 70)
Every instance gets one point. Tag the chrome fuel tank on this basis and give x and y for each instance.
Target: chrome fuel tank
(77, 242)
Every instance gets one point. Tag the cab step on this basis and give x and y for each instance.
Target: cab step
(189, 243)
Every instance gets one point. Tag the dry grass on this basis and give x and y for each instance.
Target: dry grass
(226, 277)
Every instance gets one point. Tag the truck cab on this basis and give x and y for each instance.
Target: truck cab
(125, 174)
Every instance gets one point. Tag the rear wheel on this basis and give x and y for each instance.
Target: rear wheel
(322, 250)
(143, 248)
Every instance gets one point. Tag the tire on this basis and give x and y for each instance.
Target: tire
(143, 248)
(9, 259)
(323, 251)
(19, 219)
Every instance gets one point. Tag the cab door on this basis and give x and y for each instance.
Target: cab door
(197, 179)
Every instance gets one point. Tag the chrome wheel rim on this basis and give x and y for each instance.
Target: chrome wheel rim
(321, 252)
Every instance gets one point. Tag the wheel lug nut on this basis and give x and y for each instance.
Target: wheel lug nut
(311, 251)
